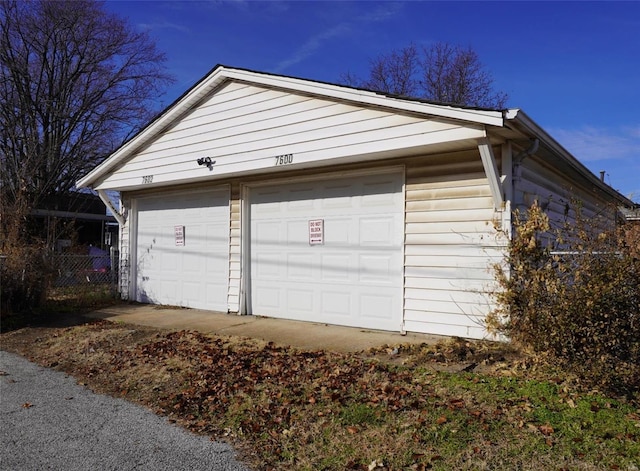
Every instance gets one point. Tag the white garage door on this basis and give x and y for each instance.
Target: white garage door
(329, 251)
(183, 249)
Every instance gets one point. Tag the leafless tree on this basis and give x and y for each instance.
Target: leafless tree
(76, 81)
(440, 72)
(395, 72)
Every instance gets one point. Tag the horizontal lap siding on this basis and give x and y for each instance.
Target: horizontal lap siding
(556, 194)
(234, 249)
(246, 125)
(125, 239)
(450, 245)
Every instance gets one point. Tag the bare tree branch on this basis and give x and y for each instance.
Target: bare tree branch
(441, 72)
(75, 83)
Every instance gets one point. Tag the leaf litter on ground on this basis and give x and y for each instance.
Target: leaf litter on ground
(400, 407)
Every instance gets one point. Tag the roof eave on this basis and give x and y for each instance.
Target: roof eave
(526, 124)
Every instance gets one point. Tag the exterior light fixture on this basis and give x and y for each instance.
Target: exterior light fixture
(206, 161)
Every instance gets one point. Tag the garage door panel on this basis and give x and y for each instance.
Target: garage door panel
(376, 306)
(194, 272)
(270, 198)
(268, 233)
(356, 268)
(268, 266)
(296, 231)
(191, 263)
(377, 231)
(215, 292)
(169, 262)
(300, 300)
(377, 201)
(267, 296)
(337, 198)
(191, 290)
(167, 290)
(298, 267)
(216, 263)
(299, 200)
(217, 236)
(337, 303)
(335, 268)
(376, 269)
(193, 234)
(338, 231)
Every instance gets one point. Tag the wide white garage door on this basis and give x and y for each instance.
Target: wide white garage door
(329, 251)
(183, 249)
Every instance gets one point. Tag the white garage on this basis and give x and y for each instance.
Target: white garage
(182, 249)
(329, 250)
(276, 196)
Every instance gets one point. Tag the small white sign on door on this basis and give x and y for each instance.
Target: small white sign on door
(316, 231)
(179, 233)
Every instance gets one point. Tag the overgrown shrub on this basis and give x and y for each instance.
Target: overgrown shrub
(24, 276)
(573, 291)
(24, 270)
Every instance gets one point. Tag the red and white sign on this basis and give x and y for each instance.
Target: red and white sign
(316, 231)
(179, 234)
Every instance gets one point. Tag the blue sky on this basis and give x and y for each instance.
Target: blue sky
(573, 67)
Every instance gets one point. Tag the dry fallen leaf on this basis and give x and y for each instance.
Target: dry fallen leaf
(546, 429)
(441, 420)
(27, 405)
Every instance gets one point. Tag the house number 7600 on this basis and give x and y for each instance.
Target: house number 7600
(285, 159)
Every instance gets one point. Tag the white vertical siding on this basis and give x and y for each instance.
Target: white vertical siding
(450, 245)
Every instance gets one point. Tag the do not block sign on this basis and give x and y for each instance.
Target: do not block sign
(316, 231)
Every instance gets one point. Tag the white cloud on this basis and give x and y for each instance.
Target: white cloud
(590, 144)
(163, 25)
(616, 151)
(314, 43)
(382, 13)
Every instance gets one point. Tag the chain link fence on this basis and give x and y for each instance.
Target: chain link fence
(98, 268)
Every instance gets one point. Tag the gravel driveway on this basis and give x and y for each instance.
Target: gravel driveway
(47, 421)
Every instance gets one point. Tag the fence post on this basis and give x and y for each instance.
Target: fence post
(114, 259)
(2, 257)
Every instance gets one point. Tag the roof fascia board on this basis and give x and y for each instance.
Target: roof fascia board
(531, 127)
(221, 73)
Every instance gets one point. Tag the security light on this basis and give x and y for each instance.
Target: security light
(206, 161)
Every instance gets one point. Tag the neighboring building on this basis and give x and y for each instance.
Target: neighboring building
(76, 219)
(276, 196)
(631, 215)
